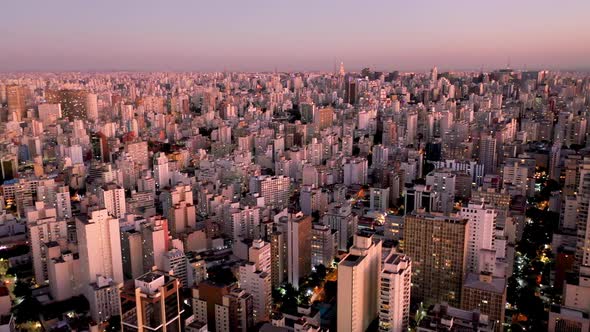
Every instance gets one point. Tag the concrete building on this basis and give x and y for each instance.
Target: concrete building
(258, 283)
(103, 298)
(234, 314)
(442, 181)
(487, 294)
(341, 219)
(205, 298)
(394, 295)
(324, 245)
(274, 189)
(175, 264)
(112, 198)
(482, 227)
(151, 302)
(64, 273)
(43, 228)
(298, 233)
(443, 317)
(438, 244)
(359, 284)
(99, 246)
(154, 234)
(379, 199)
(420, 197)
(161, 171)
(15, 97)
(355, 171)
(564, 319)
(278, 258)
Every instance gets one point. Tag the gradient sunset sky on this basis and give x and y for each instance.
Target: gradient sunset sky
(197, 35)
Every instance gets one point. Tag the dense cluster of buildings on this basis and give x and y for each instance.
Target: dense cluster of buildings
(201, 202)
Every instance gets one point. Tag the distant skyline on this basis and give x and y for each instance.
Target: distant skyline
(262, 35)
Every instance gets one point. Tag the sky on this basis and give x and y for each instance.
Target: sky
(289, 35)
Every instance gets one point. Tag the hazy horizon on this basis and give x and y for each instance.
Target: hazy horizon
(293, 36)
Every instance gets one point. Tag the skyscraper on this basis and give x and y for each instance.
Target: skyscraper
(44, 229)
(112, 198)
(394, 295)
(298, 233)
(482, 226)
(99, 245)
(15, 95)
(234, 314)
(488, 154)
(358, 284)
(91, 106)
(487, 294)
(161, 172)
(151, 302)
(437, 245)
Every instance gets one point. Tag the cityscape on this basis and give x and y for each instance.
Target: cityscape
(295, 166)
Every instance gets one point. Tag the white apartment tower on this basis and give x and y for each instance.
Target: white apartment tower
(442, 181)
(323, 245)
(112, 198)
(101, 266)
(161, 171)
(394, 297)
(482, 225)
(175, 263)
(359, 284)
(99, 245)
(43, 229)
(258, 283)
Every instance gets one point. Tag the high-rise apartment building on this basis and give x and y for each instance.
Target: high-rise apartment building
(91, 106)
(359, 284)
(151, 302)
(394, 295)
(111, 197)
(235, 313)
(99, 245)
(176, 264)
(154, 234)
(323, 117)
(15, 96)
(341, 219)
(487, 294)
(482, 227)
(298, 233)
(437, 245)
(258, 284)
(324, 245)
(355, 171)
(205, 299)
(274, 189)
(442, 181)
(278, 259)
(161, 171)
(488, 154)
(44, 232)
